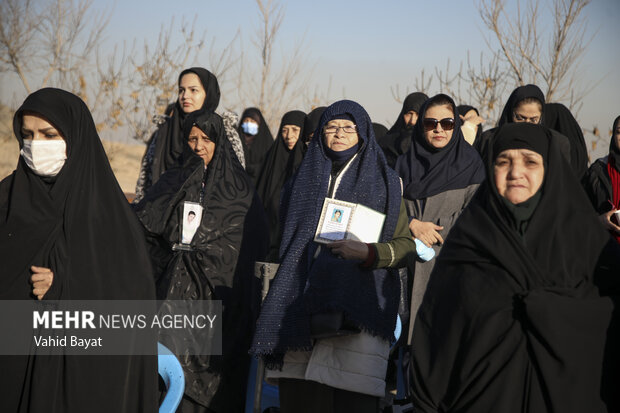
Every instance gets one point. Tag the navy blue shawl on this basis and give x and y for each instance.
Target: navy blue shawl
(303, 286)
(427, 171)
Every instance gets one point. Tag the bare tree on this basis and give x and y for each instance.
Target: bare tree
(50, 45)
(421, 84)
(278, 87)
(55, 44)
(535, 56)
(148, 84)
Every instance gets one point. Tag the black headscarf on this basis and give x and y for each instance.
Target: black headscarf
(512, 323)
(232, 235)
(170, 142)
(79, 225)
(380, 131)
(312, 122)
(597, 182)
(256, 152)
(304, 285)
(560, 119)
(517, 95)
(427, 171)
(279, 165)
(398, 138)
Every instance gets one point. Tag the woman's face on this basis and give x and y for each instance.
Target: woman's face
(339, 139)
(201, 144)
(410, 118)
(438, 137)
(290, 135)
(191, 93)
(527, 112)
(518, 174)
(616, 134)
(36, 128)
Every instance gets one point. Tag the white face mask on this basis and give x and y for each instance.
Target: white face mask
(44, 157)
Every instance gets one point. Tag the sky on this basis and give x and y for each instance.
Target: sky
(364, 48)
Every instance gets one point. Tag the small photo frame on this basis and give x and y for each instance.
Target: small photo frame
(334, 221)
(192, 215)
(346, 220)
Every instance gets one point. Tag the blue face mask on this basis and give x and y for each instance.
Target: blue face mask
(250, 128)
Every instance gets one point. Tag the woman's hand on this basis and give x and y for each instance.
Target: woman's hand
(41, 280)
(474, 119)
(426, 232)
(607, 223)
(349, 249)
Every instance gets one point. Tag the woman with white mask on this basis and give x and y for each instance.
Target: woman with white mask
(68, 233)
(257, 140)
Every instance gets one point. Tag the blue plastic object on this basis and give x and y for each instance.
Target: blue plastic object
(425, 253)
(398, 329)
(270, 397)
(171, 371)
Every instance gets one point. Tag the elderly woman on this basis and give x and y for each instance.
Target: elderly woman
(511, 320)
(210, 254)
(351, 283)
(68, 233)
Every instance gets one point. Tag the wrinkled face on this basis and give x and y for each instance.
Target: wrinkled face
(191, 93)
(37, 128)
(518, 174)
(336, 138)
(438, 137)
(527, 112)
(290, 134)
(201, 144)
(410, 118)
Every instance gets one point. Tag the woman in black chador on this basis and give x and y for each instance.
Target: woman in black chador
(398, 138)
(511, 320)
(257, 140)
(602, 184)
(215, 261)
(526, 104)
(281, 162)
(66, 227)
(198, 89)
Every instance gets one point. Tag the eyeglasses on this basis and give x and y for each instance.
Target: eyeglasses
(330, 130)
(519, 118)
(431, 123)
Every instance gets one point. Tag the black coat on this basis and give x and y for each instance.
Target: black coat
(232, 235)
(79, 225)
(515, 323)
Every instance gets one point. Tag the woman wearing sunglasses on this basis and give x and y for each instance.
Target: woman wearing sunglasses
(440, 174)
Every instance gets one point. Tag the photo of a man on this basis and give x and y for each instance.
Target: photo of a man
(337, 215)
(192, 214)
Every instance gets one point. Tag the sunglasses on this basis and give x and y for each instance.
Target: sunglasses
(431, 123)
